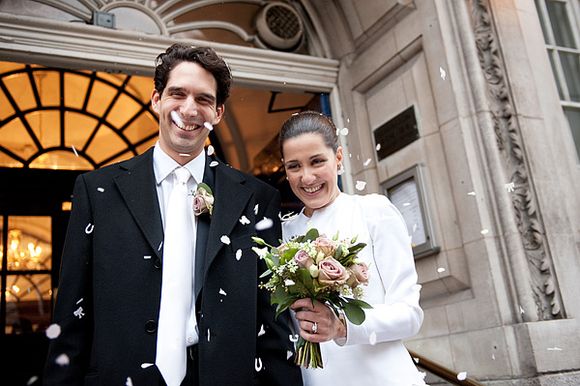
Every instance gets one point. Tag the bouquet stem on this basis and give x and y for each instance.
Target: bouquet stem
(308, 355)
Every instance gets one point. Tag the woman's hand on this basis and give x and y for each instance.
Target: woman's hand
(318, 323)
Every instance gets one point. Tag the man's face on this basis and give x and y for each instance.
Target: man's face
(186, 104)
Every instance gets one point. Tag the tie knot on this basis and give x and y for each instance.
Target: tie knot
(182, 175)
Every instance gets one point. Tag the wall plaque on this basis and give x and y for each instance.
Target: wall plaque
(397, 133)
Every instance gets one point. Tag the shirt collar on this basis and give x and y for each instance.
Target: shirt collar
(164, 165)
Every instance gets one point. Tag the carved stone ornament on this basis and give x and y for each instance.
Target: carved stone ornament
(509, 142)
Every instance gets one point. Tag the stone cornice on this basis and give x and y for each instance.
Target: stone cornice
(51, 42)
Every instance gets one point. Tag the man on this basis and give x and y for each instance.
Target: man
(120, 323)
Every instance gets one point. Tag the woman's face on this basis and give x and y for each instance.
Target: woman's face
(311, 167)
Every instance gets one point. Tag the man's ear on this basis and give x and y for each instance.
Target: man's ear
(219, 111)
(155, 101)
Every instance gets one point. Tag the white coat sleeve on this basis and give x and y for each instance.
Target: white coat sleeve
(400, 315)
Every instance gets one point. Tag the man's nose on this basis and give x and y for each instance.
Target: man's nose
(189, 107)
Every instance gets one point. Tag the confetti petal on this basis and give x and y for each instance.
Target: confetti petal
(265, 223)
(256, 208)
(129, 382)
(262, 330)
(484, 231)
(289, 282)
(208, 126)
(210, 150)
(213, 164)
(344, 131)
(367, 162)
(147, 257)
(462, 376)
(225, 239)
(244, 220)
(416, 360)
(145, 365)
(293, 338)
(289, 354)
(100, 189)
(378, 147)
(554, 349)
(238, 254)
(373, 338)
(441, 270)
(74, 150)
(208, 335)
(32, 380)
(258, 364)
(80, 300)
(471, 194)
(222, 292)
(89, 229)
(53, 331)
(62, 360)
(442, 73)
(360, 185)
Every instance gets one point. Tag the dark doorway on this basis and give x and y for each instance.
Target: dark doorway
(34, 213)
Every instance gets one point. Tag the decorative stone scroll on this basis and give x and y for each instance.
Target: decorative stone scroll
(509, 142)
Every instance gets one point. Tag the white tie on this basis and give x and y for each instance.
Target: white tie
(177, 282)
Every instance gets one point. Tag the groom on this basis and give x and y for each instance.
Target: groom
(118, 314)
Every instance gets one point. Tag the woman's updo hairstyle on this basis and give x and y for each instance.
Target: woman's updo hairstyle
(309, 122)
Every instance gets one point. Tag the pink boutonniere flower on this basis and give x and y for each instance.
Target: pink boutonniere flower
(203, 200)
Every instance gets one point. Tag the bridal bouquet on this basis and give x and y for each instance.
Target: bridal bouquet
(320, 268)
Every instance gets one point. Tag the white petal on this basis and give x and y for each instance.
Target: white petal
(100, 189)
(258, 364)
(222, 292)
(208, 126)
(145, 365)
(289, 354)
(462, 376)
(265, 223)
(213, 164)
(443, 73)
(244, 220)
(378, 147)
(554, 349)
(129, 382)
(262, 330)
(80, 300)
(147, 257)
(293, 338)
(53, 331)
(89, 229)
(344, 131)
(62, 360)
(373, 338)
(367, 162)
(471, 193)
(225, 239)
(440, 270)
(32, 380)
(238, 254)
(210, 150)
(256, 209)
(208, 335)
(360, 185)
(74, 150)
(484, 231)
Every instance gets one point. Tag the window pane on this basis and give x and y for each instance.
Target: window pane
(61, 159)
(560, 24)
(542, 21)
(551, 54)
(571, 66)
(573, 116)
(28, 303)
(29, 243)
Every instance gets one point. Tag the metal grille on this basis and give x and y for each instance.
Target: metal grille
(283, 22)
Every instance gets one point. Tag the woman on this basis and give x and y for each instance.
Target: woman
(372, 353)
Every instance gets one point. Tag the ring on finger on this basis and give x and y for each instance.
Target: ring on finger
(314, 328)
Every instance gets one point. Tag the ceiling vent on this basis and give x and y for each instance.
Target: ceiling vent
(279, 26)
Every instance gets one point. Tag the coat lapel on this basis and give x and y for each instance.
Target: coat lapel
(137, 187)
(231, 197)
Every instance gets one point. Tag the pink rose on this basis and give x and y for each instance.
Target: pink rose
(359, 274)
(303, 259)
(331, 272)
(325, 245)
(199, 206)
(203, 200)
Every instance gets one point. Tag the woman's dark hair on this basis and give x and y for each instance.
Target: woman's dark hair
(309, 122)
(206, 57)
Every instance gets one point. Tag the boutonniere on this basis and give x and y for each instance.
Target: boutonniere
(203, 200)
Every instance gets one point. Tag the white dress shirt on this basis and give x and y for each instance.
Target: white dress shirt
(163, 166)
(373, 353)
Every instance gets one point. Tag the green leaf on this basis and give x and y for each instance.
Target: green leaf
(312, 234)
(359, 303)
(205, 187)
(354, 313)
(265, 274)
